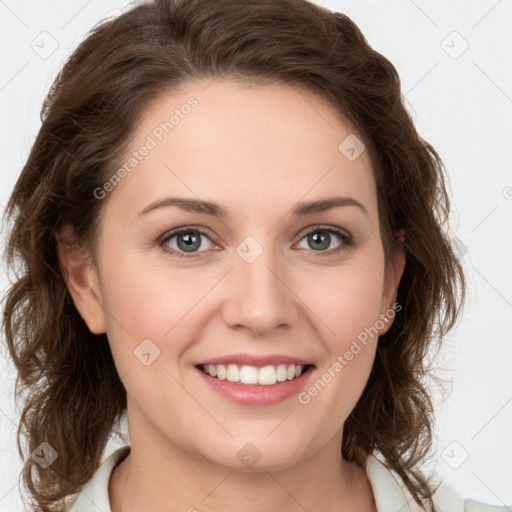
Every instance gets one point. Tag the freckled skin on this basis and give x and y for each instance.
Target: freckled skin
(256, 151)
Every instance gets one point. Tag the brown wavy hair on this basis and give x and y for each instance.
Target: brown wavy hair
(72, 395)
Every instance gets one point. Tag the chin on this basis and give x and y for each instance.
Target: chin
(256, 454)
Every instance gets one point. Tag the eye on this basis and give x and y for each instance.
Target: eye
(188, 240)
(321, 237)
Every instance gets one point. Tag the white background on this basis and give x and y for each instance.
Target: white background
(461, 102)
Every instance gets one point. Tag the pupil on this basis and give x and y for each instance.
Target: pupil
(325, 238)
(191, 242)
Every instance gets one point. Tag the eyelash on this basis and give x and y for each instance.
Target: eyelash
(346, 238)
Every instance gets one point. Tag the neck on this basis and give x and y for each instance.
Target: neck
(160, 476)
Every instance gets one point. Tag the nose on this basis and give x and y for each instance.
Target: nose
(260, 297)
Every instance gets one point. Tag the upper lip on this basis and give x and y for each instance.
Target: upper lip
(258, 361)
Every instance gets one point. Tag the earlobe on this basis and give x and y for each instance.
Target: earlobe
(392, 280)
(81, 279)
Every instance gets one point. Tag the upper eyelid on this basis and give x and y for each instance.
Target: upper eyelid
(177, 231)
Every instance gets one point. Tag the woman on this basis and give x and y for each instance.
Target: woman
(229, 230)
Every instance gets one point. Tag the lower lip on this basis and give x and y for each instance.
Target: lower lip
(251, 394)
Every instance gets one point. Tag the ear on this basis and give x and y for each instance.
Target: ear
(394, 271)
(82, 280)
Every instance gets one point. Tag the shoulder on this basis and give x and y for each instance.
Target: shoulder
(94, 494)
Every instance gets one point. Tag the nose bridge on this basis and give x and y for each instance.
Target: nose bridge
(260, 299)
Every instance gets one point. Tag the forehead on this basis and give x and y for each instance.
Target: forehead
(243, 144)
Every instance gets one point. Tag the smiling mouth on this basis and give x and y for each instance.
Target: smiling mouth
(245, 374)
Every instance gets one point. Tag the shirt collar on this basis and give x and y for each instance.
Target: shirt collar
(387, 492)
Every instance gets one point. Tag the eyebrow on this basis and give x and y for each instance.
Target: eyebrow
(206, 207)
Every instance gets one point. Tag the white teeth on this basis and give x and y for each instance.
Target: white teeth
(221, 372)
(265, 376)
(248, 375)
(232, 373)
(281, 373)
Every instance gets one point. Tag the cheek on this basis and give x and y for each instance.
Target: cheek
(349, 308)
(148, 302)
(348, 303)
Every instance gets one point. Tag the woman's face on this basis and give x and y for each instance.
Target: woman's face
(266, 279)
